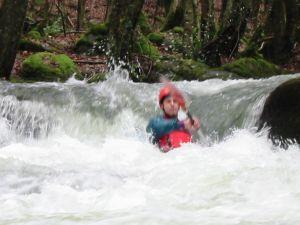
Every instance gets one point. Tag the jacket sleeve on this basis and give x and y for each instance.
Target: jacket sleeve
(159, 126)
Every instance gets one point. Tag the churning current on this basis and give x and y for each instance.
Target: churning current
(77, 153)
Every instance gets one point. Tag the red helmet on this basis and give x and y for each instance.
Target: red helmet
(163, 93)
(171, 90)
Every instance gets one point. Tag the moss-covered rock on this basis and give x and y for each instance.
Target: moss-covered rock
(45, 66)
(144, 47)
(99, 29)
(181, 69)
(94, 41)
(29, 45)
(178, 30)
(84, 44)
(35, 35)
(252, 68)
(281, 113)
(156, 38)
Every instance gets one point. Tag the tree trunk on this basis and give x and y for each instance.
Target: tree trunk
(80, 14)
(226, 42)
(175, 15)
(122, 21)
(281, 27)
(166, 4)
(191, 28)
(207, 25)
(12, 16)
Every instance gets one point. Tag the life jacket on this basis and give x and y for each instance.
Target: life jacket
(174, 140)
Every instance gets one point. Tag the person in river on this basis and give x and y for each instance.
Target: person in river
(166, 130)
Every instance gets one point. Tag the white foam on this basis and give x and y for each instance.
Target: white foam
(240, 180)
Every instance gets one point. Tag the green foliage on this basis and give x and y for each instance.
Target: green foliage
(143, 23)
(54, 28)
(156, 38)
(16, 79)
(39, 2)
(252, 68)
(99, 29)
(145, 47)
(173, 42)
(46, 66)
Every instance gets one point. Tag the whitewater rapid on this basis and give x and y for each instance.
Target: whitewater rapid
(78, 153)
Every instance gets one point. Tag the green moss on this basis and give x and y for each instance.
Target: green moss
(28, 45)
(145, 47)
(99, 29)
(16, 79)
(39, 2)
(178, 30)
(94, 41)
(46, 66)
(35, 35)
(252, 68)
(156, 38)
(181, 69)
(83, 44)
(143, 23)
(189, 69)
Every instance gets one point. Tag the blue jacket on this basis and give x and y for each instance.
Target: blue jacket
(160, 126)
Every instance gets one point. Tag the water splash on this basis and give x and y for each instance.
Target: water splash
(96, 166)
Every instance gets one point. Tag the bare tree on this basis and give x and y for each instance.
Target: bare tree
(12, 16)
(80, 14)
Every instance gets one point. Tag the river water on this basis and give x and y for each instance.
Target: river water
(77, 153)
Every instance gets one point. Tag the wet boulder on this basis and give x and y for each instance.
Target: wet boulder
(252, 68)
(281, 113)
(45, 66)
(178, 69)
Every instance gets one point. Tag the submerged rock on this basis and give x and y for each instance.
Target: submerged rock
(281, 113)
(252, 68)
(45, 66)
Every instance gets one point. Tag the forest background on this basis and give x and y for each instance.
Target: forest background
(49, 40)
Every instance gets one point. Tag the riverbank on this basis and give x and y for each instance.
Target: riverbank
(93, 66)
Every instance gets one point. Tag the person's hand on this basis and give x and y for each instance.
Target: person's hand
(196, 124)
(191, 126)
